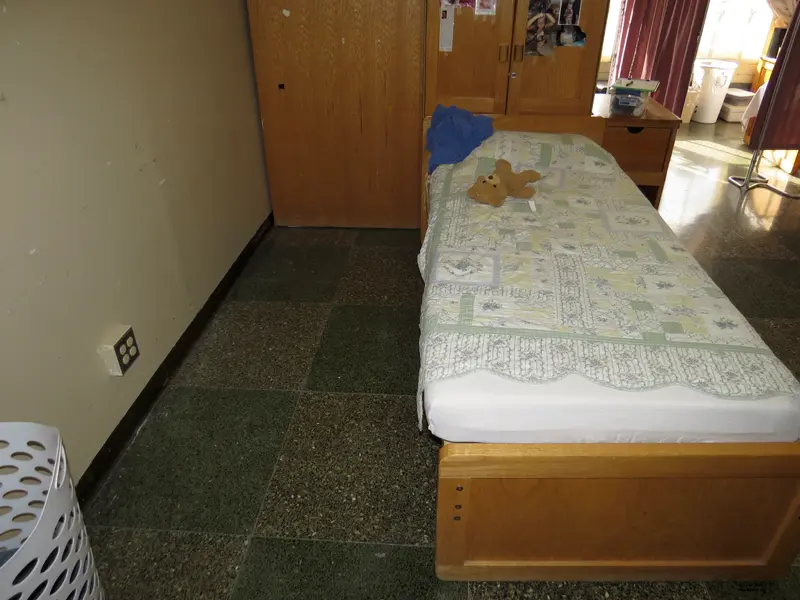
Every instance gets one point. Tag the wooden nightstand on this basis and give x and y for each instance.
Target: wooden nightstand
(641, 145)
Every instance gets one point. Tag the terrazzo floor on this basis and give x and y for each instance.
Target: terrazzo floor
(283, 460)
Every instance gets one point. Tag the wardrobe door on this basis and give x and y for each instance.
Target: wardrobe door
(340, 91)
(563, 83)
(474, 73)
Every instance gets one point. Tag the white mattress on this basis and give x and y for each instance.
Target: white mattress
(483, 407)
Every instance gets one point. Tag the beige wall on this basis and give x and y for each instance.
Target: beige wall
(131, 177)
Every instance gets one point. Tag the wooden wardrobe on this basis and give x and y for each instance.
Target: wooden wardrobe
(340, 87)
(340, 92)
(487, 70)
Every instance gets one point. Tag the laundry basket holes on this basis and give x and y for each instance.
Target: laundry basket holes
(37, 593)
(67, 550)
(24, 518)
(32, 465)
(58, 582)
(61, 470)
(25, 571)
(75, 570)
(59, 527)
(48, 562)
(9, 534)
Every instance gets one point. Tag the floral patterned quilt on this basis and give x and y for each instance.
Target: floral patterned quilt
(584, 279)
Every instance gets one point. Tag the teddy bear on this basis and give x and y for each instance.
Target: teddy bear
(493, 189)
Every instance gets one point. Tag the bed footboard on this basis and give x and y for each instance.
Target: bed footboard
(617, 511)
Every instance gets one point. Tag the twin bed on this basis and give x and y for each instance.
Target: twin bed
(577, 362)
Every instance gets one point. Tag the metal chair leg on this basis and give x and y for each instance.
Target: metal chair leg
(754, 179)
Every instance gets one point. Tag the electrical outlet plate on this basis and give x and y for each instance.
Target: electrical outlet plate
(119, 349)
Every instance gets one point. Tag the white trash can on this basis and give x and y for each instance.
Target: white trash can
(714, 77)
(44, 548)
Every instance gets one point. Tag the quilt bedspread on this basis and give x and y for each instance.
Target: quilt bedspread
(584, 279)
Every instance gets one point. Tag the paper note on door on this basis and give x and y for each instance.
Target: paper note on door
(486, 7)
(446, 28)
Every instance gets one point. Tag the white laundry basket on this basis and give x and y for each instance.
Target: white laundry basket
(42, 536)
(690, 105)
(715, 78)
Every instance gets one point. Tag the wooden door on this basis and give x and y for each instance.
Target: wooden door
(563, 83)
(340, 90)
(474, 75)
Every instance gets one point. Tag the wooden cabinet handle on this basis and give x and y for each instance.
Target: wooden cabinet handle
(517, 52)
(503, 53)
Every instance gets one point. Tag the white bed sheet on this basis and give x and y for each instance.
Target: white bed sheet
(483, 407)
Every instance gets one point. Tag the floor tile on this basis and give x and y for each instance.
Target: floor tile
(277, 569)
(368, 349)
(406, 238)
(759, 288)
(247, 346)
(202, 461)
(782, 336)
(294, 273)
(381, 276)
(354, 468)
(310, 236)
(744, 244)
(578, 590)
(791, 240)
(784, 589)
(166, 565)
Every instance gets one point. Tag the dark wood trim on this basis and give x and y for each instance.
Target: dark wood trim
(112, 449)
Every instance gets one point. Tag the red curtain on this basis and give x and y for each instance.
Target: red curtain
(658, 39)
(782, 131)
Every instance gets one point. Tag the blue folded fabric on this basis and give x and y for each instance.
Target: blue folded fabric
(453, 134)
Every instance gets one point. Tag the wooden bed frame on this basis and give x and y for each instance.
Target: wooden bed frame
(614, 511)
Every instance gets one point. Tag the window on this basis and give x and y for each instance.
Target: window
(610, 37)
(735, 29)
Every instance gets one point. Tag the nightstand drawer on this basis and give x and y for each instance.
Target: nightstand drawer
(638, 148)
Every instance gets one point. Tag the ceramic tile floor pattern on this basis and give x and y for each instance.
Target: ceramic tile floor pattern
(283, 461)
